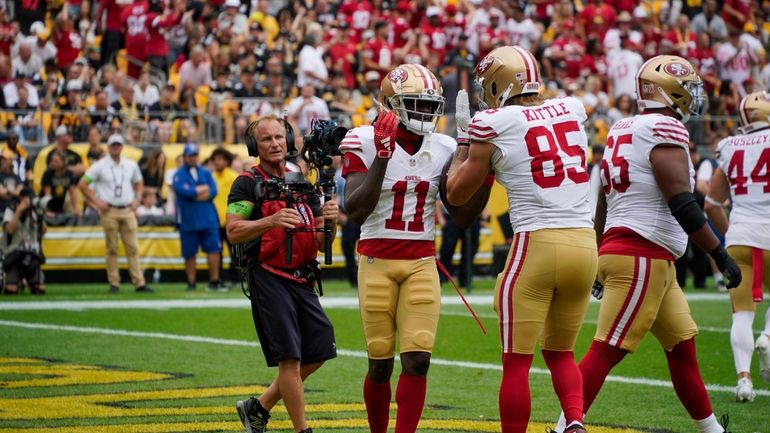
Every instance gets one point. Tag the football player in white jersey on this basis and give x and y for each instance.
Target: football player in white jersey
(537, 149)
(644, 216)
(392, 170)
(744, 174)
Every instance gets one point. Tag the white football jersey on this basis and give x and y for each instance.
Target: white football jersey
(407, 203)
(745, 159)
(540, 159)
(634, 200)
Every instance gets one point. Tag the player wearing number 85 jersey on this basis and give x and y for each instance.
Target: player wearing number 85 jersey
(392, 172)
(643, 218)
(537, 149)
(744, 171)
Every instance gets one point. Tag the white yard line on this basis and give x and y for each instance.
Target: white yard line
(478, 301)
(341, 352)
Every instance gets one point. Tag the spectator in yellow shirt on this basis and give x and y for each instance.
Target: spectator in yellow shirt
(224, 176)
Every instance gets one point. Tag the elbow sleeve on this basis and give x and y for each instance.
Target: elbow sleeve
(687, 212)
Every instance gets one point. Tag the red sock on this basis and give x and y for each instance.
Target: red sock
(410, 398)
(595, 366)
(377, 401)
(514, 400)
(567, 382)
(688, 384)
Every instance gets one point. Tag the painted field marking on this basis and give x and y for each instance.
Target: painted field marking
(342, 352)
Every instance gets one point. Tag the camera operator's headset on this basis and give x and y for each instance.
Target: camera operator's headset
(251, 141)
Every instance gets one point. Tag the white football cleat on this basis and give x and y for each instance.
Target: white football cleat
(763, 351)
(744, 392)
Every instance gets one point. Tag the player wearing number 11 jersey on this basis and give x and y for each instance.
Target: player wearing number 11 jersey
(644, 217)
(537, 149)
(392, 172)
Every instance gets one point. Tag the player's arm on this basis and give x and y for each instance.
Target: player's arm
(600, 218)
(671, 169)
(718, 193)
(464, 215)
(362, 190)
(467, 172)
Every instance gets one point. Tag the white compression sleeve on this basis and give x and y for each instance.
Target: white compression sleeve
(742, 340)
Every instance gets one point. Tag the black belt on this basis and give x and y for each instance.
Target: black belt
(119, 207)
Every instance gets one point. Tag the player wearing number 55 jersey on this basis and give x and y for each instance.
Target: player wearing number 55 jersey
(537, 149)
(392, 172)
(644, 217)
(745, 160)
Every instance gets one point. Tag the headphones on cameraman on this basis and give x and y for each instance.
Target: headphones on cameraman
(251, 142)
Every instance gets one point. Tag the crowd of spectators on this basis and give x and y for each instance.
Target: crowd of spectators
(192, 70)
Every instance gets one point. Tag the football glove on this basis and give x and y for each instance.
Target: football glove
(730, 270)
(462, 116)
(385, 128)
(598, 289)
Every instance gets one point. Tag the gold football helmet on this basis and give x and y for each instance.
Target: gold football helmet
(670, 82)
(754, 112)
(414, 94)
(504, 73)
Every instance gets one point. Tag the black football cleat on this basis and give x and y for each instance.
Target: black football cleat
(253, 416)
(575, 427)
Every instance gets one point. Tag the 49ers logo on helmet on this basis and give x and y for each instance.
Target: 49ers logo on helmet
(484, 65)
(677, 69)
(398, 75)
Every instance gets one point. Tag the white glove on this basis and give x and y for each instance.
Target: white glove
(462, 115)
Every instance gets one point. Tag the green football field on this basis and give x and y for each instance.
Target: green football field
(80, 360)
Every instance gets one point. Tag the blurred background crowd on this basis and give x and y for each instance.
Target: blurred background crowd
(182, 71)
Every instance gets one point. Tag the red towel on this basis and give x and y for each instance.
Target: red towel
(756, 265)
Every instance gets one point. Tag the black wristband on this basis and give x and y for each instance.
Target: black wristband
(687, 212)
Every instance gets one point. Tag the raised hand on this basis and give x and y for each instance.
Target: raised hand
(385, 128)
(462, 116)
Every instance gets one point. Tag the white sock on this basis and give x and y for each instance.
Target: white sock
(718, 277)
(767, 321)
(561, 425)
(742, 340)
(709, 425)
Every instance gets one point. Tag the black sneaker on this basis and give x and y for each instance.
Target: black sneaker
(307, 430)
(144, 289)
(253, 416)
(217, 286)
(114, 289)
(190, 287)
(575, 427)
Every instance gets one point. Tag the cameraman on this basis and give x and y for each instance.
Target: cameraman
(23, 257)
(293, 329)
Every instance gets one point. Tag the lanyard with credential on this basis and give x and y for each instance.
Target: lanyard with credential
(118, 186)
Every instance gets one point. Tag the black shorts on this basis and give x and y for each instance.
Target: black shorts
(290, 322)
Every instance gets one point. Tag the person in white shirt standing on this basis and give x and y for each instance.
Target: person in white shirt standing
(113, 186)
(311, 66)
(742, 159)
(622, 67)
(305, 107)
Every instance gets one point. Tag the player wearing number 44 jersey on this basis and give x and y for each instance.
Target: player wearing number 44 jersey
(643, 218)
(392, 170)
(745, 159)
(537, 149)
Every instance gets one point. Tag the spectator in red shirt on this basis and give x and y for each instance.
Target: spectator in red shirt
(358, 13)
(494, 36)
(400, 25)
(681, 39)
(433, 38)
(342, 53)
(702, 57)
(596, 18)
(737, 12)
(651, 34)
(567, 47)
(67, 42)
(8, 31)
(454, 26)
(134, 21)
(158, 20)
(378, 53)
(543, 11)
(112, 39)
